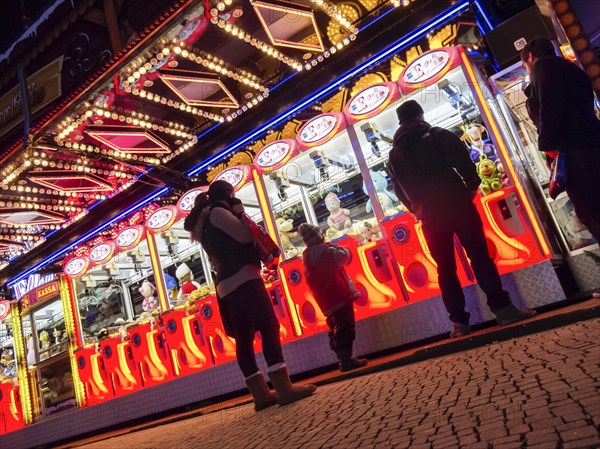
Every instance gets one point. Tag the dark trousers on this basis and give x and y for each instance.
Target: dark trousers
(247, 310)
(583, 182)
(342, 328)
(465, 222)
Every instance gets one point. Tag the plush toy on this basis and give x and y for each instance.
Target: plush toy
(268, 274)
(339, 218)
(284, 226)
(490, 176)
(186, 279)
(150, 302)
(473, 136)
(56, 335)
(44, 340)
(387, 198)
(369, 231)
(332, 234)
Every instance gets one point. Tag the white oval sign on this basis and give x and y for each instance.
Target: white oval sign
(318, 128)
(369, 99)
(186, 202)
(76, 266)
(161, 218)
(128, 237)
(272, 154)
(236, 176)
(425, 67)
(102, 253)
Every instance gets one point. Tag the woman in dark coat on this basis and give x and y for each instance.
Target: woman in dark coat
(215, 222)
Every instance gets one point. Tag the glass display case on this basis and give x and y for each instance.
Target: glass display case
(509, 86)
(47, 351)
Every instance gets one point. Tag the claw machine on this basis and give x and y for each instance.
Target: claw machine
(188, 282)
(11, 409)
(45, 335)
(453, 96)
(250, 191)
(316, 179)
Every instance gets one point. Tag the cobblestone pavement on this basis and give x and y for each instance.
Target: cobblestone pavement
(539, 391)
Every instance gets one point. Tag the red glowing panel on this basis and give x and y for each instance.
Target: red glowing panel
(200, 90)
(71, 181)
(134, 140)
(320, 129)
(371, 101)
(26, 217)
(428, 68)
(186, 202)
(236, 176)
(275, 155)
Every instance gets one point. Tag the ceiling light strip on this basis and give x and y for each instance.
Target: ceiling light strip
(418, 33)
(88, 235)
(449, 14)
(218, 66)
(335, 13)
(256, 43)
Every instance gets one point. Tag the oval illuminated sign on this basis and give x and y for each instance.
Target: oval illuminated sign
(4, 309)
(320, 129)
(275, 155)
(236, 176)
(427, 69)
(187, 200)
(76, 267)
(162, 219)
(371, 101)
(128, 238)
(102, 252)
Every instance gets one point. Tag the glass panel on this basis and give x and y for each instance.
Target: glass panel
(50, 329)
(176, 248)
(56, 385)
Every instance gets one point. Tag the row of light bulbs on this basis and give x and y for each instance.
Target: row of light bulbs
(182, 106)
(398, 3)
(256, 43)
(336, 14)
(36, 206)
(94, 149)
(219, 66)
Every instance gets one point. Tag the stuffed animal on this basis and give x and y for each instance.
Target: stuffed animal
(284, 226)
(186, 279)
(150, 302)
(44, 340)
(490, 176)
(339, 218)
(369, 231)
(387, 198)
(473, 136)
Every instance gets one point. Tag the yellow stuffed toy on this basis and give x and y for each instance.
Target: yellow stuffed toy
(490, 176)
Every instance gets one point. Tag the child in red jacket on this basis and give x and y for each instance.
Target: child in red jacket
(333, 290)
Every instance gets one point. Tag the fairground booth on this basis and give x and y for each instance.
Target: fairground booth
(113, 314)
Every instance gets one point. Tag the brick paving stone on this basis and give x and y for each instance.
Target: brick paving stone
(586, 443)
(538, 391)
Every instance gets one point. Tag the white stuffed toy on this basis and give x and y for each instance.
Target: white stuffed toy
(339, 218)
(150, 302)
(387, 198)
(186, 280)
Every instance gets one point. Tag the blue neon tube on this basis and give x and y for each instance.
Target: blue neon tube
(376, 59)
(418, 33)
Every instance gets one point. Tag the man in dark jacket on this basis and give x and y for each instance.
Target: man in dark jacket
(436, 180)
(567, 123)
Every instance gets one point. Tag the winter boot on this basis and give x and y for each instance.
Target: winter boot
(286, 392)
(349, 362)
(511, 314)
(460, 330)
(262, 396)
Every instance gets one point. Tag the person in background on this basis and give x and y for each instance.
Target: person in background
(436, 180)
(333, 290)
(567, 123)
(244, 303)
